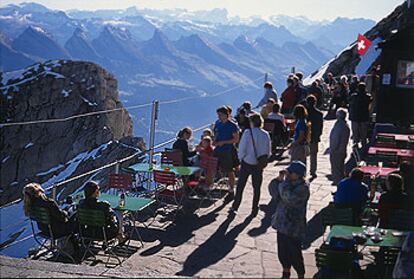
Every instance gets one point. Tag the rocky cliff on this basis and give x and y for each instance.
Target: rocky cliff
(348, 61)
(51, 152)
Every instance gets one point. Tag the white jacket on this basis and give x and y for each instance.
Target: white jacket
(261, 141)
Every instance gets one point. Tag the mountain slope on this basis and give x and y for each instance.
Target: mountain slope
(58, 89)
(348, 61)
(36, 42)
(9, 58)
(78, 47)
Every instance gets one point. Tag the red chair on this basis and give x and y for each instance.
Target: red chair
(120, 181)
(172, 157)
(168, 187)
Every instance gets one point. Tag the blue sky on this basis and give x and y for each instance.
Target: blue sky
(314, 9)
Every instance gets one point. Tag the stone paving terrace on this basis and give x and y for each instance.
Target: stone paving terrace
(209, 244)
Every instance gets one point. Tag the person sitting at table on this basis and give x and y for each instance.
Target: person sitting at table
(267, 108)
(206, 148)
(61, 223)
(393, 198)
(352, 192)
(113, 226)
(182, 144)
(275, 114)
(406, 171)
(207, 133)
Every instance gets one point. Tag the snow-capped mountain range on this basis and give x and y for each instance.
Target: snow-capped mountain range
(173, 53)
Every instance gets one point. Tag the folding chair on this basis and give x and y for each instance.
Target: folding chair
(385, 141)
(41, 215)
(172, 157)
(400, 219)
(120, 181)
(389, 158)
(169, 187)
(333, 262)
(387, 259)
(333, 215)
(92, 224)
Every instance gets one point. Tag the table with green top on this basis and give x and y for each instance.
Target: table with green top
(389, 240)
(178, 170)
(134, 204)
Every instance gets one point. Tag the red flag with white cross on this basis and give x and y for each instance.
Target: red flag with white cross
(362, 44)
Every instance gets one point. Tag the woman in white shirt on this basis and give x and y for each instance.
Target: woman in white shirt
(254, 143)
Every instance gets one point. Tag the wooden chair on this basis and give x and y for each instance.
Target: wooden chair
(172, 157)
(41, 215)
(92, 225)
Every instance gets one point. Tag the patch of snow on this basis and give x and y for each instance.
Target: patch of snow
(319, 74)
(38, 29)
(50, 170)
(125, 93)
(14, 183)
(369, 57)
(6, 76)
(90, 87)
(88, 102)
(5, 159)
(30, 144)
(117, 22)
(73, 164)
(66, 93)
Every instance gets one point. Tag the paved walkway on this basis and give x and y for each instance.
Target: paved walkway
(207, 244)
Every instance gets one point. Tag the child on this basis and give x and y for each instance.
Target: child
(205, 148)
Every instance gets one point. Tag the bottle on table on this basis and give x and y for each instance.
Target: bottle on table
(122, 200)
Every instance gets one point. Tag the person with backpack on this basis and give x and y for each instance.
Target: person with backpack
(254, 151)
(315, 117)
(299, 148)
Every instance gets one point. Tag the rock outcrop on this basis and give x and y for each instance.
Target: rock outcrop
(50, 152)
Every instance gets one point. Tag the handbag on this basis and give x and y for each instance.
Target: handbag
(261, 160)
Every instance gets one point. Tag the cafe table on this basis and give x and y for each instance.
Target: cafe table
(392, 238)
(131, 204)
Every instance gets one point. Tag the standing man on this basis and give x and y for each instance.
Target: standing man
(269, 93)
(359, 114)
(338, 142)
(315, 117)
(226, 134)
(254, 143)
(290, 191)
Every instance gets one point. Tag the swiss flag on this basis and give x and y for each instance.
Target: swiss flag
(362, 44)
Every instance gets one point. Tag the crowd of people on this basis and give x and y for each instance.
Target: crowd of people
(243, 147)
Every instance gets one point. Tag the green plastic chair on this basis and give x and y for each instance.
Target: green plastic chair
(401, 220)
(41, 215)
(335, 261)
(333, 215)
(93, 220)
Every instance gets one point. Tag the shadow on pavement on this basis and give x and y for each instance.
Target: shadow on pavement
(215, 248)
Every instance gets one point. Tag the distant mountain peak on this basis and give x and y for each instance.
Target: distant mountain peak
(118, 32)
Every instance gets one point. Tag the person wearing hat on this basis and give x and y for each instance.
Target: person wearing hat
(290, 191)
(338, 143)
(270, 92)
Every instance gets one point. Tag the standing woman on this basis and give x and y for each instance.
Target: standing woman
(182, 144)
(254, 143)
(299, 145)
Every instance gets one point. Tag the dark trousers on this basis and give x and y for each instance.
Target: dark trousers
(257, 177)
(290, 253)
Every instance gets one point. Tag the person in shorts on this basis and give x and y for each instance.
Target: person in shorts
(226, 135)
